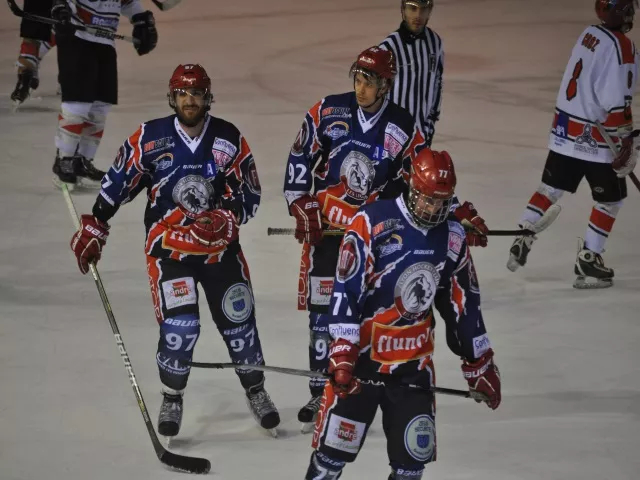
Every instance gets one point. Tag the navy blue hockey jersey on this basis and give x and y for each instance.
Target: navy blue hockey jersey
(391, 273)
(184, 177)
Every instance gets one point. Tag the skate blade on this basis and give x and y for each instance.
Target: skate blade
(512, 263)
(272, 431)
(59, 183)
(588, 283)
(306, 427)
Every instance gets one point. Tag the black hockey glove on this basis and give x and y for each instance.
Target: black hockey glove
(144, 30)
(61, 12)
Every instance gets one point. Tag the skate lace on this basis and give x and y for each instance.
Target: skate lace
(261, 403)
(87, 165)
(314, 404)
(171, 409)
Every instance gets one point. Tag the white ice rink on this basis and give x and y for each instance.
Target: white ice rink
(569, 359)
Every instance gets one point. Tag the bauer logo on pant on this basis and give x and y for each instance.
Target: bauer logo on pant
(420, 438)
(179, 292)
(237, 303)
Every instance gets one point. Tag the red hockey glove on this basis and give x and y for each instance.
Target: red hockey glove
(215, 228)
(342, 359)
(468, 216)
(627, 157)
(483, 377)
(306, 210)
(88, 241)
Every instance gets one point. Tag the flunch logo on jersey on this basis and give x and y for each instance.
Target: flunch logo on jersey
(223, 151)
(338, 212)
(337, 130)
(301, 140)
(415, 290)
(163, 161)
(192, 193)
(253, 181)
(157, 145)
(349, 261)
(357, 173)
(390, 345)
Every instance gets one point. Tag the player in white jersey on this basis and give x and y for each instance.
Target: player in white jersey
(597, 87)
(88, 78)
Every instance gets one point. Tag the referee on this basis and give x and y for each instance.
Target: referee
(420, 59)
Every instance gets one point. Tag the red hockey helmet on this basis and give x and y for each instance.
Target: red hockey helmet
(616, 14)
(190, 75)
(431, 187)
(377, 65)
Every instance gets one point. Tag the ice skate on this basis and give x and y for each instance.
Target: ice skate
(591, 270)
(64, 170)
(263, 409)
(88, 175)
(170, 417)
(26, 82)
(307, 414)
(520, 249)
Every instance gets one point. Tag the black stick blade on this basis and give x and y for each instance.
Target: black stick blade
(184, 463)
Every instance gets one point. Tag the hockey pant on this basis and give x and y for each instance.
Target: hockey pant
(227, 288)
(408, 421)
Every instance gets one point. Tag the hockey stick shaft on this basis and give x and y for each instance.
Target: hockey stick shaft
(307, 373)
(612, 145)
(179, 462)
(98, 32)
(497, 233)
(166, 4)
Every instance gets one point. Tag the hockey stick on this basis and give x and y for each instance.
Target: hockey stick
(98, 32)
(312, 374)
(166, 4)
(175, 461)
(614, 148)
(496, 233)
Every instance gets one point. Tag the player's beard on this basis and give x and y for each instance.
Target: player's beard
(191, 119)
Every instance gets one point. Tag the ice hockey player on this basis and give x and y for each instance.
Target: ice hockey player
(420, 56)
(352, 149)
(202, 183)
(89, 80)
(349, 151)
(399, 259)
(37, 40)
(598, 86)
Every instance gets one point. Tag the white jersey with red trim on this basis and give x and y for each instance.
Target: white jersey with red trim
(598, 85)
(104, 14)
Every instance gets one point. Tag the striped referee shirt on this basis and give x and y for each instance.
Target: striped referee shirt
(418, 85)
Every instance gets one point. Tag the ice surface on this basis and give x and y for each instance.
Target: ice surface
(569, 359)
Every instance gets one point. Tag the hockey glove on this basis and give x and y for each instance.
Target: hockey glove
(215, 228)
(483, 378)
(468, 216)
(144, 30)
(342, 359)
(61, 11)
(627, 157)
(306, 210)
(88, 241)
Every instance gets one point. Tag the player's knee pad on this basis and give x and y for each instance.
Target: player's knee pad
(322, 466)
(406, 472)
(71, 123)
(178, 337)
(553, 194)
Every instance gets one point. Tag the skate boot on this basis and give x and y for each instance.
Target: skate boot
(88, 175)
(23, 87)
(64, 169)
(263, 409)
(590, 269)
(307, 414)
(170, 417)
(520, 249)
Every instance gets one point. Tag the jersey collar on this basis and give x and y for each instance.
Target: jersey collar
(191, 143)
(367, 125)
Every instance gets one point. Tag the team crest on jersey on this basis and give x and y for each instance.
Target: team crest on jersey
(357, 173)
(349, 261)
(585, 143)
(192, 193)
(301, 140)
(415, 290)
(337, 130)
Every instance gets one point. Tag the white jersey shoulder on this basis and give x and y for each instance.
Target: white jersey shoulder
(598, 85)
